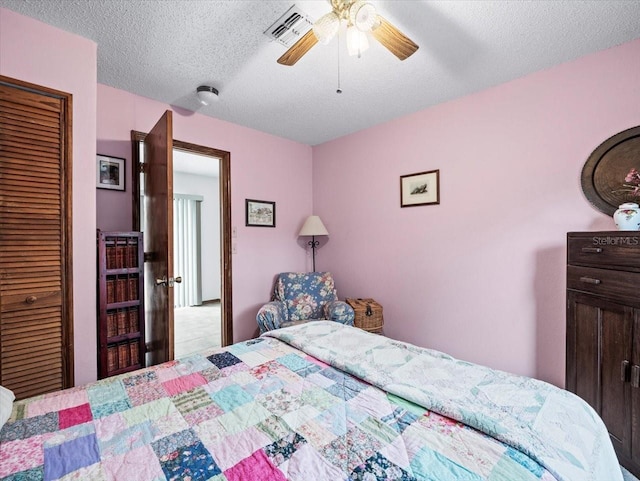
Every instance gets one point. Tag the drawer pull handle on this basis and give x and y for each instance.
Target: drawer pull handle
(590, 280)
(31, 299)
(624, 371)
(594, 250)
(635, 376)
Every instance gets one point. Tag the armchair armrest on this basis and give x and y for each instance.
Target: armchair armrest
(271, 316)
(339, 311)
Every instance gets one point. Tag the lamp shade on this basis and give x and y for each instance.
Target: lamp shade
(313, 226)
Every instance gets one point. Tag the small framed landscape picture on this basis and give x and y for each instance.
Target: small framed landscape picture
(260, 213)
(422, 188)
(110, 173)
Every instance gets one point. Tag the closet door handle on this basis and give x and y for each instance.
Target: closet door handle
(590, 280)
(635, 376)
(624, 371)
(592, 250)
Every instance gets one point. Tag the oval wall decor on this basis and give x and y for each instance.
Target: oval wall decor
(604, 171)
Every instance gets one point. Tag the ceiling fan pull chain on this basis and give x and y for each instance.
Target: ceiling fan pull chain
(339, 90)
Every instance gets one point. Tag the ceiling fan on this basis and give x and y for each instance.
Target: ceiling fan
(360, 17)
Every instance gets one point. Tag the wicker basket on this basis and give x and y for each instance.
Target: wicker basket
(368, 314)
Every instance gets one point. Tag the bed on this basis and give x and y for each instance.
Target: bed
(317, 401)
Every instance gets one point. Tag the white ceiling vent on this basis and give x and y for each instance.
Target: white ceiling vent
(288, 29)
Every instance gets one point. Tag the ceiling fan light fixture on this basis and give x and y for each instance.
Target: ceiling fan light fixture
(206, 94)
(326, 27)
(363, 15)
(356, 41)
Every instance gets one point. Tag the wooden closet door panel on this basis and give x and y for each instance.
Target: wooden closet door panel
(35, 220)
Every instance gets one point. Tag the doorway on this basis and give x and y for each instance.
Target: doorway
(213, 296)
(196, 252)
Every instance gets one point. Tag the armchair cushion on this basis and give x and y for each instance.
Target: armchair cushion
(305, 294)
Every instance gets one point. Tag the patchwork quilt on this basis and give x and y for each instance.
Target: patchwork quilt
(314, 402)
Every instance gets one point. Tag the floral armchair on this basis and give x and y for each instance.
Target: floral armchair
(301, 297)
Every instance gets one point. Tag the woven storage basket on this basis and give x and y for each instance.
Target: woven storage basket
(368, 314)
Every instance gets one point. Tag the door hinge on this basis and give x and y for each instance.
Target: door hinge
(142, 167)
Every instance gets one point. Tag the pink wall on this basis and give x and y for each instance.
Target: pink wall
(262, 167)
(35, 52)
(482, 275)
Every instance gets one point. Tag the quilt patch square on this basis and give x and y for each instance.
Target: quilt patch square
(33, 474)
(102, 410)
(56, 402)
(380, 468)
(281, 450)
(183, 383)
(170, 444)
(235, 447)
(130, 438)
(315, 434)
(193, 418)
(257, 466)
(212, 373)
(243, 417)
(21, 455)
(76, 415)
(28, 427)
(360, 444)
(231, 397)
(192, 400)
(140, 379)
(106, 392)
(192, 462)
(274, 427)
(144, 393)
(139, 464)
(307, 464)
(440, 467)
(70, 456)
(223, 359)
(192, 364)
(282, 401)
(300, 416)
(265, 385)
(296, 363)
(318, 398)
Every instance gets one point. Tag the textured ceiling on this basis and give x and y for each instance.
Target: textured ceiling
(165, 49)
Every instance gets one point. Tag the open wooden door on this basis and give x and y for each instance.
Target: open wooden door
(158, 198)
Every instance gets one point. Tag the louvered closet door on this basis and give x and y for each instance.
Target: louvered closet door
(35, 308)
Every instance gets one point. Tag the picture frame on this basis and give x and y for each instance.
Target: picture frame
(110, 172)
(421, 188)
(260, 213)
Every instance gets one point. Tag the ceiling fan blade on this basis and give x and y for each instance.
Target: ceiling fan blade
(301, 47)
(393, 39)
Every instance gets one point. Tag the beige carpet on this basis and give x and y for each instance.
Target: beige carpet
(196, 328)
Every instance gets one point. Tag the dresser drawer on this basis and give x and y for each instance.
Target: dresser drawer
(619, 285)
(610, 250)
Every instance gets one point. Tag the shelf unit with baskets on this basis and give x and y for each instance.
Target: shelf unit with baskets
(121, 341)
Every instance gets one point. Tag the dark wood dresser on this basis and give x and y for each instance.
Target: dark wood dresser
(603, 333)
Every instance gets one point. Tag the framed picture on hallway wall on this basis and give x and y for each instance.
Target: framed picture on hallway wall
(260, 213)
(110, 172)
(422, 188)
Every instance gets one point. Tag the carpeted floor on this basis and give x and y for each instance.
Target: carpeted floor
(196, 328)
(628, 476)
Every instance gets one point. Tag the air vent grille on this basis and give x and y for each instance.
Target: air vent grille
(288, 29)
